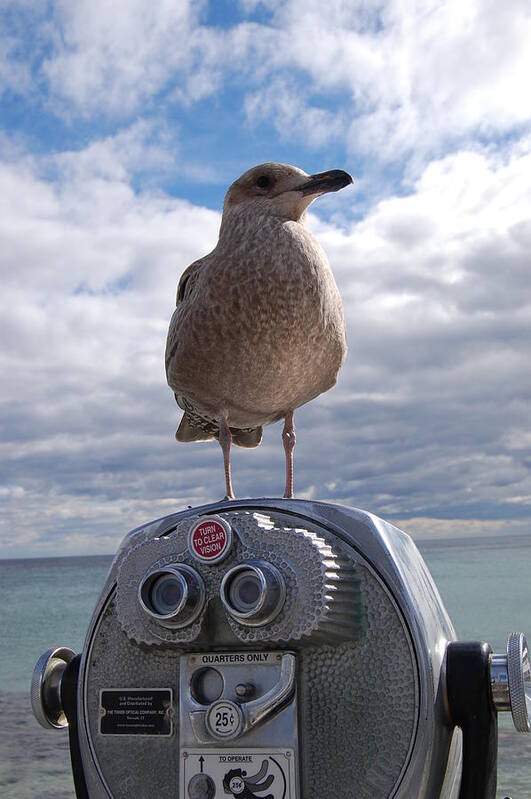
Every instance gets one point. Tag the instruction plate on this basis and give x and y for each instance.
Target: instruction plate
(208, 773)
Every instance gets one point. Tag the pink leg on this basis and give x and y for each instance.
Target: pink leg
(288, 439)
(225, 438)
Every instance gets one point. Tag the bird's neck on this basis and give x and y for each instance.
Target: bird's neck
(239, 224)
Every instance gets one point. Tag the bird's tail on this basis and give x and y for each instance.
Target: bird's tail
(246, 438)
(195, 428)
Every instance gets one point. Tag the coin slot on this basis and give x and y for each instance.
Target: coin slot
(206, 685)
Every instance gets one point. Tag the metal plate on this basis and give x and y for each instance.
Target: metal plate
(136, 711)
(206, 773)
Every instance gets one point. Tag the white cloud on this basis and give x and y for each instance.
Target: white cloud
(112, 56)
(452, 241)
(393, 80)
(142, 148)
(438, 304)
(284, 103)
(90, 270)
(410, 77)
(429, 418)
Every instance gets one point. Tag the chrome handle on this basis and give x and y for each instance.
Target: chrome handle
(258, 709)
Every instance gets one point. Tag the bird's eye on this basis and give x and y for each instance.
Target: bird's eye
(263, 182)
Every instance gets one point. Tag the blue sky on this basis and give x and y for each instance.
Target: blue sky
(122, 124)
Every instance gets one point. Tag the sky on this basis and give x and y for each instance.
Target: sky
(122, 125)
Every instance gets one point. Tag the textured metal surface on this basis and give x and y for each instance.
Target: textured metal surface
(519, 678)
(361, 700)
(322, 586)
(136, 766)
(323, 589)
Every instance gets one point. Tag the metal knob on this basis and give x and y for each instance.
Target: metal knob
(510, 676)
(201, 786)
(46, 700)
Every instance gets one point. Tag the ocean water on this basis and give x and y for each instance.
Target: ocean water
(484, 583)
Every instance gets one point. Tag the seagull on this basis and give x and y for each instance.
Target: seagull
(258, 329)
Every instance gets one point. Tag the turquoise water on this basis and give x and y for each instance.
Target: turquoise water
(484, 583)
(45, 602)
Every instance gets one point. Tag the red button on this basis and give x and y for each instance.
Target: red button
(210, 540)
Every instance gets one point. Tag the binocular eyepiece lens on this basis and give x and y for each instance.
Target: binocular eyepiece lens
(167, 593)
(253, 593)
(173, 595)
(245, 591)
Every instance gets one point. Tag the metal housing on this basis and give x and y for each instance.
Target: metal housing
(370, 648)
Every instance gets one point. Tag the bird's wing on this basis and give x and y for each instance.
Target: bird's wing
(188, 280)
(186, 285)
(192, 429)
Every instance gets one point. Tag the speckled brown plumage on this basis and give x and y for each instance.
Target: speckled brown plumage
(258, 329)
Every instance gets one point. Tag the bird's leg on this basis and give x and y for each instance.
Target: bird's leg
(288, 439)
(225, 438)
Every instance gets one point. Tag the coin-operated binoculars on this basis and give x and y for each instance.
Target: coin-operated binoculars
(279, 649)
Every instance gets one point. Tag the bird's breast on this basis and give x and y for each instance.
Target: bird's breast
(263, 331)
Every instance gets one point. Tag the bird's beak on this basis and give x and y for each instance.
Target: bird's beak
(324, 182)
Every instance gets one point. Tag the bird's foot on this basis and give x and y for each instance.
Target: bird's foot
(289, 495)
(226, 498)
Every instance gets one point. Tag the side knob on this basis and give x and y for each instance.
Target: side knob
(510, 678)
(46, 701)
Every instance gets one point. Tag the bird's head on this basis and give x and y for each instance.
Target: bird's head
(281, 189)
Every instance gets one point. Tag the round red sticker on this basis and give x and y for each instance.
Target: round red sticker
(210, 539)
